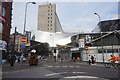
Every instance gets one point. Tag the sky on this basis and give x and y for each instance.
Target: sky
(73, 15)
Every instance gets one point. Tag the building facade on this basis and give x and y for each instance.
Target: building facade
(47, 18)
(6, 14)
(0, 20)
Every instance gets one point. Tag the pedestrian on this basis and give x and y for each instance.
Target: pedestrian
(55, 58)
(61, 59)
(92, 59)
(73, 59)
(55, 52)
(89, 60)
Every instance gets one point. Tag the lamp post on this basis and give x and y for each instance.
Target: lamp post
(12, 57)
(98, 16)
(101, 37)
(26, 14)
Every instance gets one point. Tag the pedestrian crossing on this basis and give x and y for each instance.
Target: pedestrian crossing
(48, 66)
(68, 66)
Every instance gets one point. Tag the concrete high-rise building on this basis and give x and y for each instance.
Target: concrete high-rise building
(47, 18)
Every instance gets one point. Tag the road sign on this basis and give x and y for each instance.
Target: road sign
(23, 40)
(23, 46)
(81, 43)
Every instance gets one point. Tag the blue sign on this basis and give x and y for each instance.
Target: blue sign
(23, 46)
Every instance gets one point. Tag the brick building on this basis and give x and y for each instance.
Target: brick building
(7, 15)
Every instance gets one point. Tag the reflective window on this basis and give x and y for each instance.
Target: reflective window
(3, 11)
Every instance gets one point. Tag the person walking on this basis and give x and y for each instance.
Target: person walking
(89, 60)
(92, 59)
(54, 52)
(73, 59)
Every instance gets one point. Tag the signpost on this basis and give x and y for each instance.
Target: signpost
(12, 57)
(81, 43)
(81, 46)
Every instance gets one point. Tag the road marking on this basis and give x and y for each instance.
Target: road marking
(81, 77)
(78, 66)
(16, 71)
(57, 66)
(64, 73)
(55, 74)
(78, 72)
(71, 66)
(64, 66)
(49, 66)
(45, 65)
(52, 74)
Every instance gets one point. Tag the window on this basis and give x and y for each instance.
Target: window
(48, 14)
(51, 10)
(3, 11)
(110, 51)
(51, 25)
(48, 17)
(48, 11)
(50, 28)
(48, 24)
(116, 50)
(51, 21)
(48, 21)
(101, 51)
(51, 17)
(51, 13)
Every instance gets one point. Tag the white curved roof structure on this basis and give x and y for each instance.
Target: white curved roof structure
(52, 39)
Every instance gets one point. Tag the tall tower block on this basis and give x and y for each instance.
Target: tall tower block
(47, 18)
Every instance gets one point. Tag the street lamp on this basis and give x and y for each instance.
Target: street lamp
(26, 14)
(101, 36)
(98, 16)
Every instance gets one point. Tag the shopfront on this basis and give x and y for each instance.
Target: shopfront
(76, 54)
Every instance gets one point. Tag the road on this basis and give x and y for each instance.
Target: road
(66, 70)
